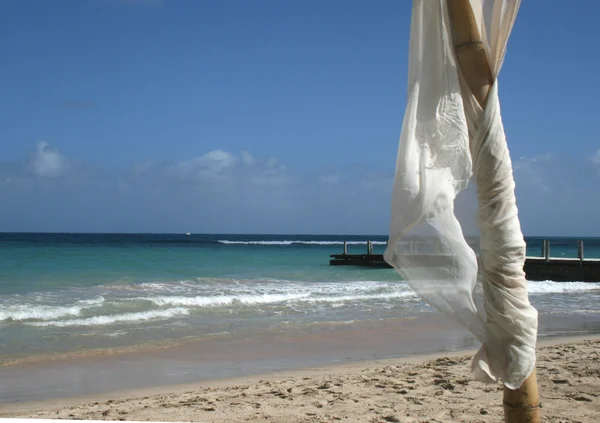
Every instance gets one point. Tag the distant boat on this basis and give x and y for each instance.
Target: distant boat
(188, 234)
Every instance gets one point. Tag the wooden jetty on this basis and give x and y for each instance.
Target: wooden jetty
(540, 268)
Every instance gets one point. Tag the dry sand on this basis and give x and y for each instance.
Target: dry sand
(397, 390)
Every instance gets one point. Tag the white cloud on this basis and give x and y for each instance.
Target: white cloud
(376, 181)
(331, 179)
(212, 164)
(272, 173)
(273, 163)
(556, 195)
(140, 168)
(525, 162)
(218, 171)
(222, 191)
(216, 191)
(596, 158)
(530, 170)
(247, 158)
(46, 161)
(16, 183)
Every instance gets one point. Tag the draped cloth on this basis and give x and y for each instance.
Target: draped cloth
(455, 234)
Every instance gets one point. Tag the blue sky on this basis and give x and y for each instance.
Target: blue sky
(265, 116)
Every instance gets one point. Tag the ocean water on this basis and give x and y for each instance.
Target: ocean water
(71, 292)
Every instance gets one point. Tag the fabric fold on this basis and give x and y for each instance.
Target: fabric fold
(455, 234)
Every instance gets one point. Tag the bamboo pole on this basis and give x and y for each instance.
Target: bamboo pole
(470, 53)
(520, 405)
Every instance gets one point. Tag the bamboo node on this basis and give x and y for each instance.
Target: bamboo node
(469, 44)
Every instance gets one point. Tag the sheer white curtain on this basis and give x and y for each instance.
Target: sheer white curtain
(455, 234)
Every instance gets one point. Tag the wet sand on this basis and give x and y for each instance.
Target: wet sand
(100, 371)
(434, 388)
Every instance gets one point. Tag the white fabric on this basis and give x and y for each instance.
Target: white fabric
(458, 244)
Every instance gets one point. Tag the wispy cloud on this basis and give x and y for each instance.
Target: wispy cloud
(596, 157)
(330, 179)
(557, 195)
(213, 164)
(529, 170)
(218, 190)
(247, 158)
(214, 191)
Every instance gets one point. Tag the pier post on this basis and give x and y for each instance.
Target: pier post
(580, 251)
(547, 250)
(369, 247)
(543, 252)
(345, 248)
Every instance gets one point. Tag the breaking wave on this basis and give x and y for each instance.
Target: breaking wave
(223, 300)
(23, 312)
(37, 312)
(549, 287)
(291, 242)
(117, 318)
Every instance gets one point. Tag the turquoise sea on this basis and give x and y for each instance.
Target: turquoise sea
(70, 292)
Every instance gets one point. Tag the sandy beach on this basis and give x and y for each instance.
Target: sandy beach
(434, 388)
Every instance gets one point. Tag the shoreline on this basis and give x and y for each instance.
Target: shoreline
(575, 354)
(550, 327)
(200, 359)
(191, 341)
(228, 356)
(321, 370)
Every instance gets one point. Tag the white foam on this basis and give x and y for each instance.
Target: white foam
(32, 311)
(117, 318)
(548, 287)
(354, 286)
(211, 287)
(93, 301)
(37, 312)
(290, 242)
(158, 286)
(220, 300)
(345, 298)
(272, 298)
